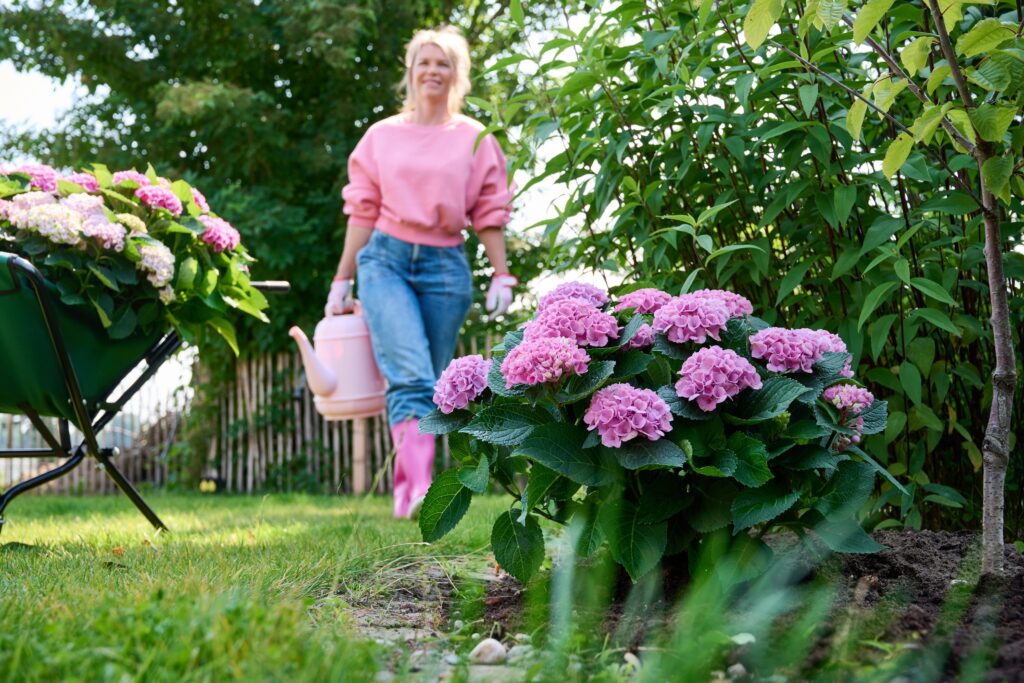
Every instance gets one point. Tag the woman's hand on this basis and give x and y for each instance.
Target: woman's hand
(499, 294)
(339, 299)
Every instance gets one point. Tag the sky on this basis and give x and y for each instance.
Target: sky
(31, 99)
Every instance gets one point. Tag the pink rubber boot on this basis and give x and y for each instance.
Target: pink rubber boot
(400, 434)
(419, 468)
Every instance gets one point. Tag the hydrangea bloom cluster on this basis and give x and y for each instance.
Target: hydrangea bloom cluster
(574, 290)
(713, 374)
(44, 177)
(833, 343)
(110, 235)
(159, 198)
(57, 223)
(849, 397)
(157, 262)
(461, 382)
(139, 179)
(544, 359)
(86, 181)
(6, 208)
(646, 300)
(575, 319)
(734, 303)
(167, 295)
(643, 339)
(691, 318)
(132, 222)
(200, 199)
(620, 412)
(219, 234)
(796, 350)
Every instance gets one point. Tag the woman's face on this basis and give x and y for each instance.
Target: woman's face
(432, 74)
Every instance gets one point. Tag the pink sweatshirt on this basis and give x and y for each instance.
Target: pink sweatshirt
(423, 184)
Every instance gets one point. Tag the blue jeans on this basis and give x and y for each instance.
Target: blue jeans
(415, 299)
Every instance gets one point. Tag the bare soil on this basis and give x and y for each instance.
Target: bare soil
(925, 580)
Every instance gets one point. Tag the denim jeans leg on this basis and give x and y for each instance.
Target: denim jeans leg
(397, 331)
(444, 289)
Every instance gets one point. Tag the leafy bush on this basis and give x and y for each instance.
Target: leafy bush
(578, 403)
(142, 252)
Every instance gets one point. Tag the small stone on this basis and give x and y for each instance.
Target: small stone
(488, 651)
(522, 638)
(744, 638)
(475, 636)
(457, 626)
(519, 652)
(451, 658)
(417, 659)
(384, 677)
(736, 671)
(632, 661)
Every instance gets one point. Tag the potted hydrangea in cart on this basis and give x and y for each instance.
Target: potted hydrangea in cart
(652, 421)
(101, 272)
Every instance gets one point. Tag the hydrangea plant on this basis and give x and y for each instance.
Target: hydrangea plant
(648, 422)
(143, 253)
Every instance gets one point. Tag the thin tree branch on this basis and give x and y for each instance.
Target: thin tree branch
(947, 50)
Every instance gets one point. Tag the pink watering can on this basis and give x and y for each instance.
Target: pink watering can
(340, 368)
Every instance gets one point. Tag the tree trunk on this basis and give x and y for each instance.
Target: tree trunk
(996, 446)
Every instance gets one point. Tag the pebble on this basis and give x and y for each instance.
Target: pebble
(452, 658)
(457, 626)
(736, 671)
(522, 637)
(417, 659)
(632, 661)
(744, 638)
(519, 652)
(488, 651)
(384, 677)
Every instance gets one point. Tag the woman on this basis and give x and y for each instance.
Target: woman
(415, 181)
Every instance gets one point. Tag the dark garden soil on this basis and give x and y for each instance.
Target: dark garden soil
(920, 592)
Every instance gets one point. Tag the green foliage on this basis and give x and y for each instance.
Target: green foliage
(811, 203)
(650, 498)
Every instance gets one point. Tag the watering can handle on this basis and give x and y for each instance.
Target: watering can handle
(272, 286)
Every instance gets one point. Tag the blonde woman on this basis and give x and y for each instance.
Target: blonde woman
(416, 181)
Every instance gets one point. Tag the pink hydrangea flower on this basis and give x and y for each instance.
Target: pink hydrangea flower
(787, 350)
(620, 412)
(141, 179)
(833, 343)
(200, 200)
(643, 339)
(737, 305)
(219, 234)
(574, 290)
(849, 397)
(544, 359)
(85, 204)
(646, 300)
(713, 374)
(691, 318)
(44, 177)
(6, 208)
(157, 262)
(86, 181)
(461, 382)
(575, 319)
(159, 198)
(110, 235)
(57, 223)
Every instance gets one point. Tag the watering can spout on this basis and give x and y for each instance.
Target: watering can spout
(321, 379)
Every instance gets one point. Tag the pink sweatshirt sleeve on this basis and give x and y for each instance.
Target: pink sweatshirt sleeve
(492, 208)
(362, 194)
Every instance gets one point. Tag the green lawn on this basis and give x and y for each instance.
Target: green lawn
(241, 589)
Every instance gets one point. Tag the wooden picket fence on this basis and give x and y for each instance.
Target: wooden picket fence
(268, 437)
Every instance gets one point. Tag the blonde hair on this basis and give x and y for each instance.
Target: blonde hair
(449, 39)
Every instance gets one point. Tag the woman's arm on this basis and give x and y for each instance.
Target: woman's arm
(355, 239)
(493, 240)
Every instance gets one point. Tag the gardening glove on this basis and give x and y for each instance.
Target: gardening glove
(499, 295)
(339, 299)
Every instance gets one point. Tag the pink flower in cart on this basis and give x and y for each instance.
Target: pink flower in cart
(157, 262)
(713, 375)
(620, 412)
(461, 382)
(54, 222)
(646, 300)
(44, 177)
(159, 198)
(219, 234)
(541, 360)
(200, 199)
(691, 318)
(86, 181)
(132, 176)
(110, 235)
